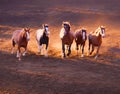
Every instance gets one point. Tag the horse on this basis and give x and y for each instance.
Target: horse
(95, 39)
(42, 37)
(20, 38)
(67, 37)
(80, 39)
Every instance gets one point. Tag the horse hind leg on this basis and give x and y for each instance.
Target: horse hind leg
(82, 55)
(69, 50)
(96, 56)
(77, 48)
(63, 51)
(89, 46)
(92, 50)
(24, 53)
(13, 46)
(46, 53)
(18, 54)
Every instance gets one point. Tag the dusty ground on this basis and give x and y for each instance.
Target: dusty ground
(35, 74)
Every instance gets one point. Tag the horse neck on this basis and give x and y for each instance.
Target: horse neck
(99, 37)
(44, 33)
(22, 36)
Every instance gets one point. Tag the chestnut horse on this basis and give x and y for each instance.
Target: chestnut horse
(95, 39)
(67, 37)
(80, 39)
(42, 37)
(21, 38)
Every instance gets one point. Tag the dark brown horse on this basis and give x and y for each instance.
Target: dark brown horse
(21, 38)
(95, 39)
(67, 37)
(80, 39)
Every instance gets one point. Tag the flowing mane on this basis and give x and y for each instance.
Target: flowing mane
(95, 39)
(21, 38)
(67, 37)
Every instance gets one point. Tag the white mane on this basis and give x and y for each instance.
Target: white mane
(62, 32)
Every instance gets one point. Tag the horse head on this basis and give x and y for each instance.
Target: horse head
(102, 33)
(26, 33)
(84, 37)
(46, 29)
(66, 26)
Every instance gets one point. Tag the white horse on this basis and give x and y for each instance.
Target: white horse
(42, 37)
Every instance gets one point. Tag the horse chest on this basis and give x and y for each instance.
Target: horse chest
(22, 43)
(67, 39)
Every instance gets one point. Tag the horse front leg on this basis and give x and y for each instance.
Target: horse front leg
(82, 55)
(92, 49)
(77, 48)
(24, 53)
(18, 54)
(46, 53)
(89, 48)
(97, 52)
(63, 51)
(13, 46)
(69, 50)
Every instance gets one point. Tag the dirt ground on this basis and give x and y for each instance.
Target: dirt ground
(36, 74)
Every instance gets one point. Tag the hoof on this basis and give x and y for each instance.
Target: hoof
(68, 54)
(96, 57)
(12, 52)
(19, 59)
(82, 55)
(63, 56)
(17, 56)
(46, 55)
(23, 54)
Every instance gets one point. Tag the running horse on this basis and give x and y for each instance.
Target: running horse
(95, 39)
(67, 37)
(21, 38)
(42, 37)
(80, 39)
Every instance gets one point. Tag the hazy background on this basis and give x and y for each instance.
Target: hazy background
(79, 12)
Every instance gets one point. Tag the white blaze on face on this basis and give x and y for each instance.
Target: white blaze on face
(28, 36)
(83, 34)
(103, 33)
(46, 28)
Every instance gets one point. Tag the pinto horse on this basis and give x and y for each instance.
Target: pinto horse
(67, 37)
(80, 39)
(21, 38)
(42, 37)
(95, 39)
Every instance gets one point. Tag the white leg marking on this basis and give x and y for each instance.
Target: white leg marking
(46, 54)
(82, 55)
(24, 53)
(18, 54)
(12, 51)
(96, 56)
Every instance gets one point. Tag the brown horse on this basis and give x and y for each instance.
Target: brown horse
(67, 37)
(95, 39)
(21, 38)
(80, 39)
